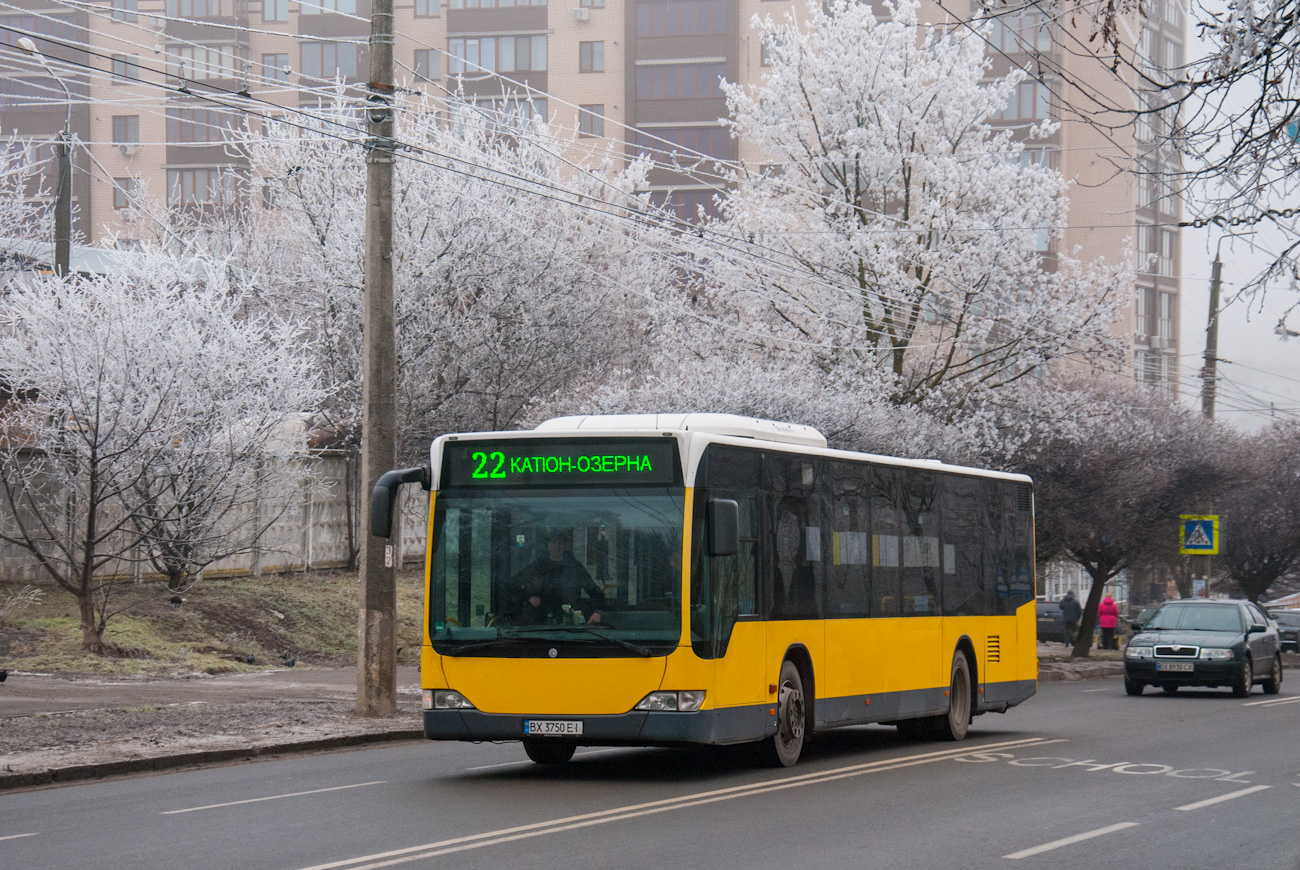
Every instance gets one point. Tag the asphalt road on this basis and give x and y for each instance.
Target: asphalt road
(1081, 776)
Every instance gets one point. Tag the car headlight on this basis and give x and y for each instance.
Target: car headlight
(1216, 655)
(1139, 652)
(679, 702)
(444, 699)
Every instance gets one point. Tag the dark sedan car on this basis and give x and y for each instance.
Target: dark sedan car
(1288, 629)
(1205, 643)
(1050, 627)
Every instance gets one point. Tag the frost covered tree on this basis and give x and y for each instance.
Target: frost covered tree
(891, 234)
(517, 273)
(1261, 510)
(148, 428)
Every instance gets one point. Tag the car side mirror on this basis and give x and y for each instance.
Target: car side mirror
(722, 519)
(1257, 628)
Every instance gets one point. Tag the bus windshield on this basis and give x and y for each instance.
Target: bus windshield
(589, 572)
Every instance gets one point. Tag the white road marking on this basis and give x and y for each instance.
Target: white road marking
(19, 836)
(1089, 691)
(274, 797)
(1223, 797)
(1070, 841)
(557, 826)
(1273, 702)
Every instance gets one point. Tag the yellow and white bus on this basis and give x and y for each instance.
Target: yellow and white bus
(706, 578)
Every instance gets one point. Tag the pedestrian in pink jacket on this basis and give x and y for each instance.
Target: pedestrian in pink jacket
(1108, 621)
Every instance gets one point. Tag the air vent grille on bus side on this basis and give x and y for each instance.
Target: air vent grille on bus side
(1024, 498)
(994, 648)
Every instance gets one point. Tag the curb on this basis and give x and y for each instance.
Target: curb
(74, 773)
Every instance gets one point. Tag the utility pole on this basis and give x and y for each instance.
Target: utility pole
(63, 205)
(377, 617)
(1208, 373)
(1202, 564)
(63, 157)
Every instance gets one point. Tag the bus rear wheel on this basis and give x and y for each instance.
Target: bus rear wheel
(546, 751)
(955, 725)
(784, 747)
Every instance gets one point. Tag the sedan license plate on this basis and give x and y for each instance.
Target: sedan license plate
(1175, 666)
(552, 727)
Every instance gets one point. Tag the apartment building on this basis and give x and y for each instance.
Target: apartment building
(635, 75)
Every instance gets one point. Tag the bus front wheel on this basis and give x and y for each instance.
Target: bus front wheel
(547, 751)
(783, 748)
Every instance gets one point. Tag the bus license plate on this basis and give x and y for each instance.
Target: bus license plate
(552, 727)
(1174, 666)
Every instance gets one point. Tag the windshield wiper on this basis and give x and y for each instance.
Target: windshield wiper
(588, 629)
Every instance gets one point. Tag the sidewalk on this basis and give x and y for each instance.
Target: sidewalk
(55, 730)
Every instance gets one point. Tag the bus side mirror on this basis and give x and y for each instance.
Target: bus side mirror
(722, 516)
(384, 498)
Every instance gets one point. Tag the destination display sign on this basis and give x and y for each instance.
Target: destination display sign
(561, 462)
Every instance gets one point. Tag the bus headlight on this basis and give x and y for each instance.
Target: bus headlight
(444, 699)
(678, 702)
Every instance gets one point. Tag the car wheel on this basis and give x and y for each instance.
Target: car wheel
(1246, 681)
(1169, 690)
(547, 751)
(1273, 684)
(784, 747)
(1133, 687)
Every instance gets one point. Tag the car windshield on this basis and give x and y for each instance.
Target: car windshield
(596, 572)
(1193, 617)
(1291, 619)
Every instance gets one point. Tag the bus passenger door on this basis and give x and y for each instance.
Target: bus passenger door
(740, 677)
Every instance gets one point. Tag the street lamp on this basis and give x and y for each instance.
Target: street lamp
(63, 151)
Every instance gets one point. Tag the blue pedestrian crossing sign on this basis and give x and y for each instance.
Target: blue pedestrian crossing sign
(1198, 535)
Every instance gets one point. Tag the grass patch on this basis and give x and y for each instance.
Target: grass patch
(222, 623)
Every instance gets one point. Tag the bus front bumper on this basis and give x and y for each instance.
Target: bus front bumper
(637, 728)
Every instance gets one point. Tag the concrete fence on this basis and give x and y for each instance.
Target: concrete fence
(319, 528)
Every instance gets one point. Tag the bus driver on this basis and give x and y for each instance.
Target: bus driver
(549, 589)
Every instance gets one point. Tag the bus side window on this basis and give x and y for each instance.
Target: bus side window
(887, 529)
(847, 580)
(963, 551)
(797, 573)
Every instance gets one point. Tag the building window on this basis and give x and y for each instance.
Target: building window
(494, 4)
(427, 8)
(686, 205)
(592, 4)
(467, 56)
(200, 186)
(316, 7)
(681, 17)
(275, 67)
(1142, 311)
(512, 112)
(200, 8)
(428, 63)
(126, 129)
(124, 192)
(275, 10)
(201, 62)
(687, 144)
(591, 57)
(1168, 252)
(1165, 322)
(1030, 101)
(328, 60)
(1144, 245)
(680, 81)
(199, 125)
(591, 120)
(126, 67)
(1023, 31)
(125, 10)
